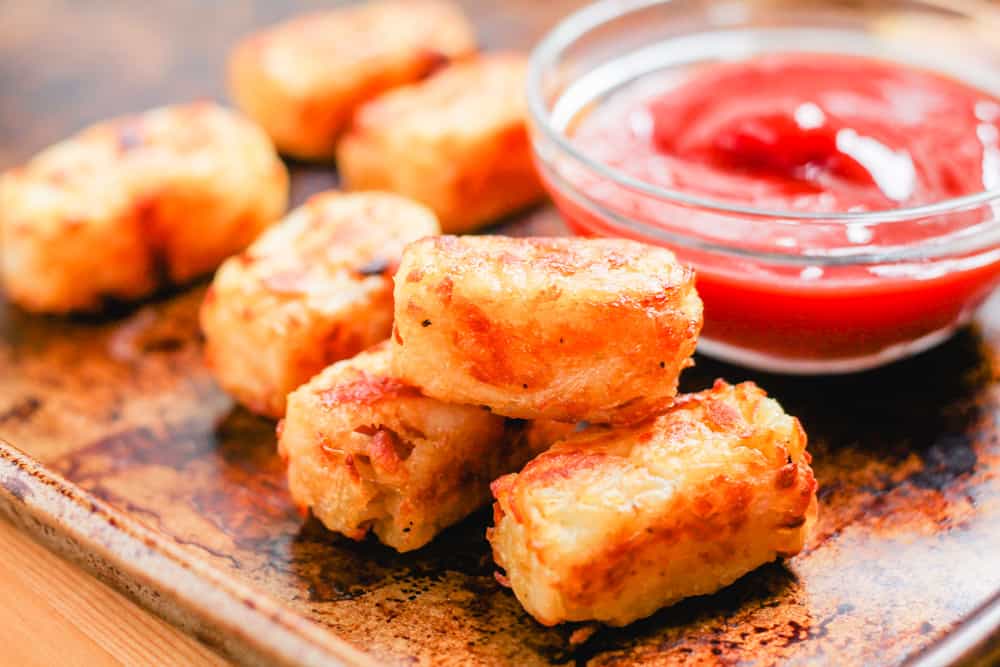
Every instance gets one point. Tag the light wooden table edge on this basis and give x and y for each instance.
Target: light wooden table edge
(54, 612)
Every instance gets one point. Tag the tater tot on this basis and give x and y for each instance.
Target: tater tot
(303, 79)
(133, 204)
(569, 329)
(314, 289)
(456, 142)
(612, 524)
(367, 452)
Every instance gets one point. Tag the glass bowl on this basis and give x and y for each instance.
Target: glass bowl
(784, 291)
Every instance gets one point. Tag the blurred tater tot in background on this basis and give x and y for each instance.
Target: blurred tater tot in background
(303, 79)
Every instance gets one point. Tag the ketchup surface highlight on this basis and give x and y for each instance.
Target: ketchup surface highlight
(806, 132)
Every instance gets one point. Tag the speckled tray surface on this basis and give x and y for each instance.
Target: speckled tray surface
(126, 456)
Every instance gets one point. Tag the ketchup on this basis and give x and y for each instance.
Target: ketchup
(805, 133)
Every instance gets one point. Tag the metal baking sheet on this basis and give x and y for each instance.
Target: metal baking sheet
(127, 458)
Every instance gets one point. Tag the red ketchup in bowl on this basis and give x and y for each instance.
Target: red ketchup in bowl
(804, 135)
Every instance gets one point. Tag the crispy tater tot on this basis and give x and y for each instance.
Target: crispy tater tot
(130, 205)
(569, 329)
(314, 289)
(303, 79)
(612, 524)
(367, 452)
(456, 142)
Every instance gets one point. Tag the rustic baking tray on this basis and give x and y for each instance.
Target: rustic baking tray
(127, 458)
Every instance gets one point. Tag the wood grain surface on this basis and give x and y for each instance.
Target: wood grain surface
(908, 457)
(55, 613)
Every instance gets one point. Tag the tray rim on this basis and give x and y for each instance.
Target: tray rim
(241, 622)
(975, 640)
(236, 620)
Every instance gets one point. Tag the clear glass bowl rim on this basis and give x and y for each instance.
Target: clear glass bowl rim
(590, 17)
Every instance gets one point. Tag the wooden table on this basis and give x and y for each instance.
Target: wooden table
(53, 612)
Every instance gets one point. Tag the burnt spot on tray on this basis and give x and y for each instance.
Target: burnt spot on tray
(950, 457)
(147, 332)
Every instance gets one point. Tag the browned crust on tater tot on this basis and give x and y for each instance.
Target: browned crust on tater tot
(314, 289)
(369, 453)
(612, 524)
(568, 329)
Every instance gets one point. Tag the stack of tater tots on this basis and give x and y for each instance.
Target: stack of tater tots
(414, 372)
(558, 358)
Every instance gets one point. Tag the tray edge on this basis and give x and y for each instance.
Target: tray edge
(234, 619)
(237, 621)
